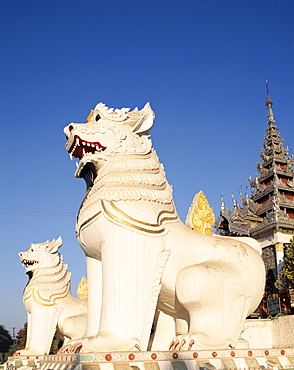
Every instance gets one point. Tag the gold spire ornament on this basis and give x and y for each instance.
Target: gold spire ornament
(269, 105)
(201, 216)
(89, 118)
(82, 290)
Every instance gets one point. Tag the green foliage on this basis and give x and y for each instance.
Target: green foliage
(21, 337)
(5, 339)
(56, 344)
(286, 275)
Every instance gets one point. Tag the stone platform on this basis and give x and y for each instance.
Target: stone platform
(235, 359)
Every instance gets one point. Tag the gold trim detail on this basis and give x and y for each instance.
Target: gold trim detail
(121, 221)
(159, 223)
(51, 301)
(129, 224)
(88, 221)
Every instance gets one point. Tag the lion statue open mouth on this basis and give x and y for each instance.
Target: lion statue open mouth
(50, 306)
(142, 261)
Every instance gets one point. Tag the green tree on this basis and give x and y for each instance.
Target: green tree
(5, 342)
(56, 344)
(21, 337)
(286, 275)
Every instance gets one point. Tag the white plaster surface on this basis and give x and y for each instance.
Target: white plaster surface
(276, 238)
(258, 333)
(48, 300)
(270, 333)
(283, 332)
(150, 260)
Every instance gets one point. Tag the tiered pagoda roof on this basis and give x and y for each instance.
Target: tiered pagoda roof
(270, 208)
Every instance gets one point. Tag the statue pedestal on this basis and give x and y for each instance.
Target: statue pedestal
(234, 359)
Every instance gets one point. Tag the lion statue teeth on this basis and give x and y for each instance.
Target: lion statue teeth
(143, 263)
(50, 306)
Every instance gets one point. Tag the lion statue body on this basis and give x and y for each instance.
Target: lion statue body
(141, 259)
(50, 306)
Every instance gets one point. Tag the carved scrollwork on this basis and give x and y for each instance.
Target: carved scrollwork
(269, 258)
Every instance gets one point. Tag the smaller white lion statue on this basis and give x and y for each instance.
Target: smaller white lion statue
(50, 306)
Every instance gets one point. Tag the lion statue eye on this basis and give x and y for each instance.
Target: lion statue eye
(97, 117)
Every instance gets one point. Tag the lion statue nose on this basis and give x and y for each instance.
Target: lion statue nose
(67, 130)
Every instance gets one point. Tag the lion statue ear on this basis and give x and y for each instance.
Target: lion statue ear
(55, 245)
(145, 123)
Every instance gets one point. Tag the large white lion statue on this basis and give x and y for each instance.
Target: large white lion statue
(50, 306)
(141, 259)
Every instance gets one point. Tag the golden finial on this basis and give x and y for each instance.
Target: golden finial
(201, 216)
(83, 288)
(268, 100)
(269, 104)
(89, 118)
(266, 86)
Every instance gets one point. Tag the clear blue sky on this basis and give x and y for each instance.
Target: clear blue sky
(202, 64)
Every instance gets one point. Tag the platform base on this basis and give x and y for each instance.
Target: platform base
(235, 359)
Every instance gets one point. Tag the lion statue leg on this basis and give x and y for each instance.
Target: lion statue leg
(126, 288)
(94, 300)
(94, 272)
(41, 329)
(214, 312)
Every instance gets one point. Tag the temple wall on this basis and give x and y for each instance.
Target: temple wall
(283, 332)
(270, 333)
(258, 333)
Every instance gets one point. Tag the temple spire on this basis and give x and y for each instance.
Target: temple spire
(269, 104)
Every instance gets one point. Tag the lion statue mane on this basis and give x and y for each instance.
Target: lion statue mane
(143, 263)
